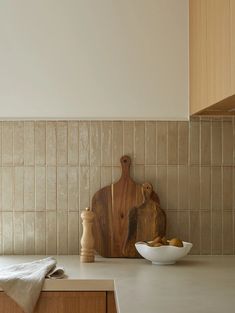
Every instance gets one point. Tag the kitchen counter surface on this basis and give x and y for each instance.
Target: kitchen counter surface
(195, 284)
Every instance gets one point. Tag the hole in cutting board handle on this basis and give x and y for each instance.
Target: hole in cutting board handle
(125, 160)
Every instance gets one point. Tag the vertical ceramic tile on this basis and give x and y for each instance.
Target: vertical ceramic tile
(194, 142)
(116, 173)
(139, 174)
(228, 233)
(205, 141)
(1, 247)
(62, 143)
(161, 142)
(73, 233)
(73, 144)
(73, 188)
(183, 222)
(84, 143)
(117, 142)
(94, 180)
(40, 188)
(216, 154)
(183, 187)
(234, 140)
(206, 244)
(7, 143)
(62, 188)
(51, 193)
(172, 224)
(7, 232)
(183, 142)
(18, 233)
(216, 232)
(151, 175)
(106, 176)
(139, 142)
(106, 143)
(0, 190)
(150, 143)
(128, 139)
(62, 232)
(84, 187)
(0, 142)
(18, 143)
(51, 233)
(19, 188)
(40, 233)
(216, 188)
(227, 188)
(29, 233)
(172, 142)
(205, 195)
(195, 232)
(172, 188)
(28, 143)
(227, 142)
(29, 188)
(95, 143)
(194, 185)
(162, 185)
(40, 143)
(7, 188)
(51, 143)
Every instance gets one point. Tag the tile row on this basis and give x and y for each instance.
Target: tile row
(95, 143)
(60, 232)
(39, 233)
(70, 188)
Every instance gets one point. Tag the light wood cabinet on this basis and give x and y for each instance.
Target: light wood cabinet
(111, 305)
(65, 302)
(212, 56)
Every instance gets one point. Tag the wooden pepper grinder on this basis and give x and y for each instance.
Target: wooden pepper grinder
(87, 240)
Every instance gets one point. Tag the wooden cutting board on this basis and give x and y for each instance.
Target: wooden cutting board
(145, 222)
(111, 205)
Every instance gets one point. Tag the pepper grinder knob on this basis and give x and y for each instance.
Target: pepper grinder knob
(87, 240)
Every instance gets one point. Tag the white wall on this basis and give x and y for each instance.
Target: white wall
(94, 59)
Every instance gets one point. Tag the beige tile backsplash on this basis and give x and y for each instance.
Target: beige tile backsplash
(50, 170)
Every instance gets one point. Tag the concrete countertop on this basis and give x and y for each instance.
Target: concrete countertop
(194, 285)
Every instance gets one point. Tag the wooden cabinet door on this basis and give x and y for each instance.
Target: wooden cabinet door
(197, 55)
(218, 50)
(111, 305)
(61, 302)
(232, 11)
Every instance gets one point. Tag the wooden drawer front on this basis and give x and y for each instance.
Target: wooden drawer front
(61, 302)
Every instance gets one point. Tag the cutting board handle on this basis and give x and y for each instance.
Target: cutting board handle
(147, 190)
(126, 163)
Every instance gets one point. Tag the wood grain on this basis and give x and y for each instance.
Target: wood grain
(197, 55)
(111, 205)
(211, 51)
(146, 222)
(111, 305)
(61, 302)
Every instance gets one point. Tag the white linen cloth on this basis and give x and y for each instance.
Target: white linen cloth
(23, 282)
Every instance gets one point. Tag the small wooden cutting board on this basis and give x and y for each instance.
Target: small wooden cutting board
(111, 205)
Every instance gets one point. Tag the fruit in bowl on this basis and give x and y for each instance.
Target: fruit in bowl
(162, 251)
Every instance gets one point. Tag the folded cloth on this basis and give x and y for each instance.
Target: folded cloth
(23, 282)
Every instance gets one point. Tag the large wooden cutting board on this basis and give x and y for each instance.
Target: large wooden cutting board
(111, 205)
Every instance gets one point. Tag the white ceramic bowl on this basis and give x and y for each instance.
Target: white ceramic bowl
(163, 254)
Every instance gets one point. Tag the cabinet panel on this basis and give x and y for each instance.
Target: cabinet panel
(218, 50)
(111, 305)
(61, 302)
(197, 42)
(232, 11)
